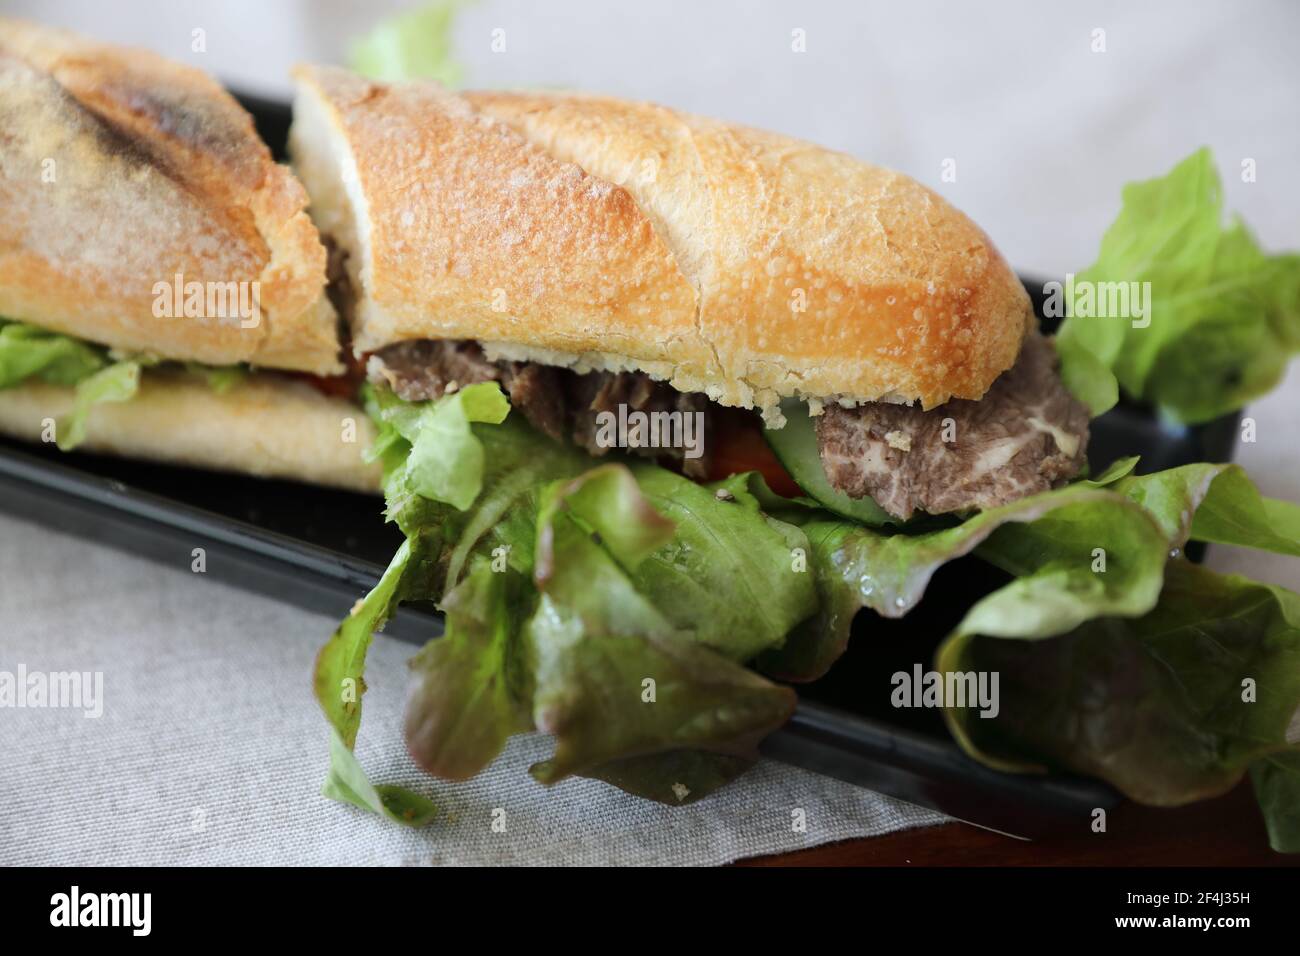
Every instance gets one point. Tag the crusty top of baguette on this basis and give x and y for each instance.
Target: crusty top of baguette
(601, 233)
(122, 170)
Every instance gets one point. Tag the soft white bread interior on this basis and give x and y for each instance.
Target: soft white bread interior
(268, 425)
(600, 233)
(119, 171)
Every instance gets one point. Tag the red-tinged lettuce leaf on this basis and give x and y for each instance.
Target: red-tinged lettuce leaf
(710, 573)
(1277, 788)
(676, 777)
(731, 576)
(472, 687)
(615, 680)
(441, 540)
(1162, 706)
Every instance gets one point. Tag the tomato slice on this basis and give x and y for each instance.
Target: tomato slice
(346, 385)
(738, 445)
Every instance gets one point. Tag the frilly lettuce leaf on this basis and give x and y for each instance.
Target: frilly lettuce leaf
(1156, 705)
(615, 679)
(565, 586)
(97, 373)
(1224, 319)
(576, 593)
(440, 540)
(857, 567)
(339, 683)
(472, 687)
(1147, 693)
(27, 352)
(445, 460)
(115, 383)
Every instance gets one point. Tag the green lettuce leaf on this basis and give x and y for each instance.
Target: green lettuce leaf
(1088, 379)
(573, 594)
(730, 577)
(28, 352)
(446, 461)
(1157, 705)
(1224, 316)
(115, 383)
(561, 583)
(857, 568)
(339, 683)
(348, 783)
(1144, 694)
(440, 540)
(415, 44)
(1277, 787)
(98, 374)
(615, 679)
(1215, 503)
(1047, 540)
(517, 464)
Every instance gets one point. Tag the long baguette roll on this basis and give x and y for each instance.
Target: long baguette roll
(599, 233)
(268, 425)
(119, 171)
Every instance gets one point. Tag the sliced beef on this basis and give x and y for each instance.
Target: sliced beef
(538, 392)
(425, 369)
(555, 401)
(1026, 435)
(597, 392)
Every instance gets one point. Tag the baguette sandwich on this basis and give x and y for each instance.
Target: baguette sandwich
(152, 255)
(659, 405)
(606, 344)
(589, 253)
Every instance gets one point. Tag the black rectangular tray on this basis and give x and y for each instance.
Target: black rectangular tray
(322, 549)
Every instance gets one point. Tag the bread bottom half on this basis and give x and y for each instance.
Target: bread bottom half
(268, 425)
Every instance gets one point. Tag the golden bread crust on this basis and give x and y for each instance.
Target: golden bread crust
(599, 233)
(122, 170)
